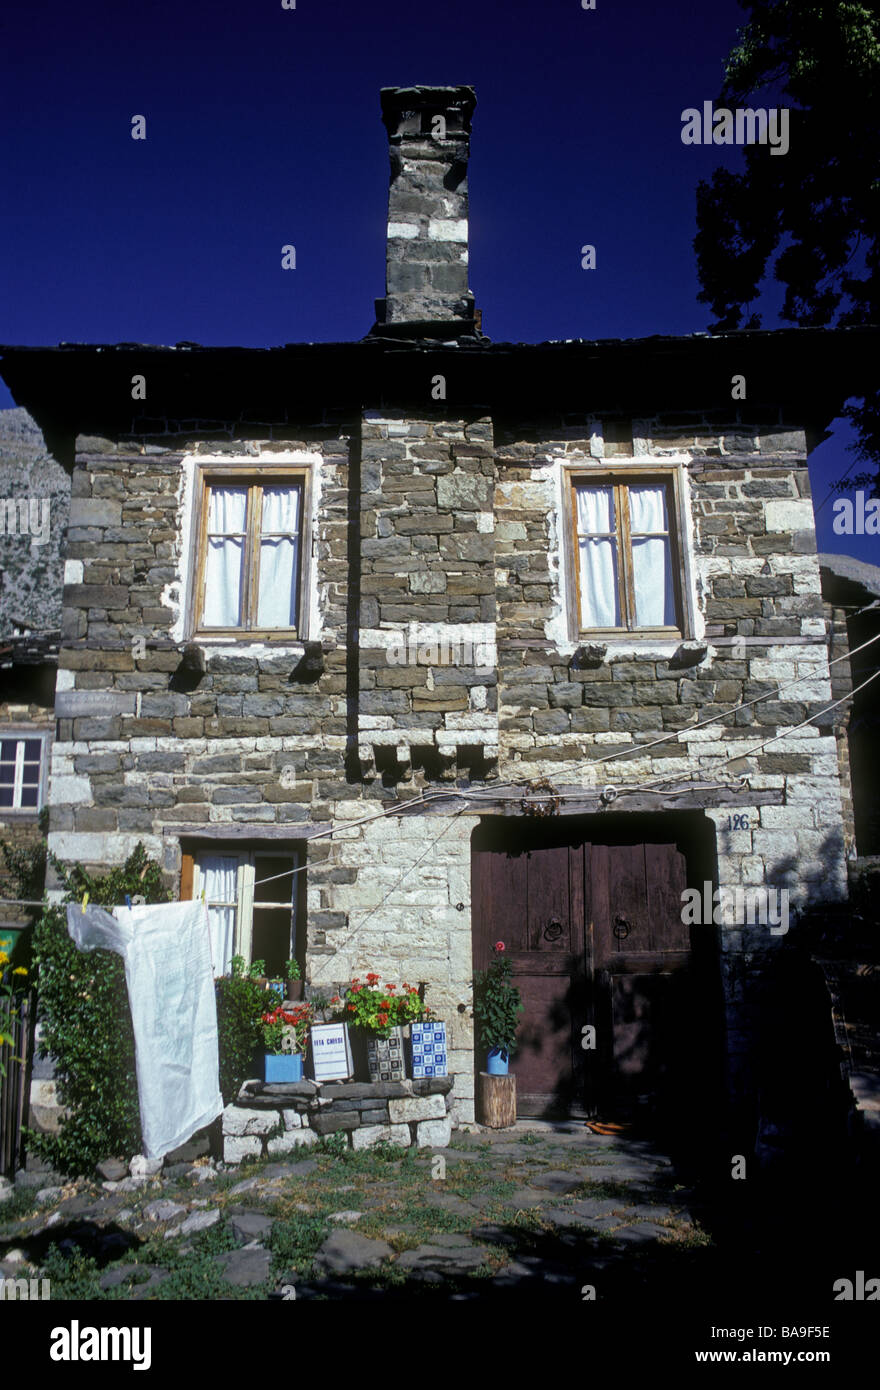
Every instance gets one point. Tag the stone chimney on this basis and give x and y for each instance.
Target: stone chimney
(426, 279)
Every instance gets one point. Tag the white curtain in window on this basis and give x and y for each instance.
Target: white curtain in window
(218, 877)
(227, 514)
(652, 564)
(597, 558)
(278, 557)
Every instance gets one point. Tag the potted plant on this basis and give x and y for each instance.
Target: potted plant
(256, 972)
(497, 1005)
(285, 1042)
(294, 984)
(377, 1016)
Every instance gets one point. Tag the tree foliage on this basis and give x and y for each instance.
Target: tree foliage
(812, 217)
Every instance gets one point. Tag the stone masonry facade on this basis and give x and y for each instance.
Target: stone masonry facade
(459, 534)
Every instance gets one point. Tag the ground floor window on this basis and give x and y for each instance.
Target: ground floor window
(22, 771)
(252, 903)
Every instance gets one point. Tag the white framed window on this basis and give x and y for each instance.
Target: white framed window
(251, 551)
(22, 771)
(251, 897)
(625, 554)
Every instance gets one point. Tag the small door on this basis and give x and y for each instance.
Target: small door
(533, 901)
(642, 959)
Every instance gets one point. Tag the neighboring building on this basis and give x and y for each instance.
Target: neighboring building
(456, 629)
(852, 590)
(33, 520)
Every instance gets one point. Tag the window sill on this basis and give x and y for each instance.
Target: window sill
(249, 643)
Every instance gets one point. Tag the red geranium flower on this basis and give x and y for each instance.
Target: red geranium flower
(351, 1008)
(383, 1019)
(371, 979)
(391, 988)
(499, 946)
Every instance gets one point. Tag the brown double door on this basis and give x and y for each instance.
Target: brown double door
(599, 953)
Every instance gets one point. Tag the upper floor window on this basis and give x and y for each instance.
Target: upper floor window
(22, 773)
(251, 556)
(627, 561)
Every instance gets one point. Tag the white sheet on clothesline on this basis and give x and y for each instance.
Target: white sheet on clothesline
(166, 949)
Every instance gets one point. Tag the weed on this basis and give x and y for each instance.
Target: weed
(21, 1203)
(295, 1240)
(336, 1145)
(72, 1275)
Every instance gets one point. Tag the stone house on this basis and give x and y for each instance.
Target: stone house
(402, 647)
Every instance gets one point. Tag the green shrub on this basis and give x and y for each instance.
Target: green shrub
(240, 1004)
(86, 1022)
(72, 1275)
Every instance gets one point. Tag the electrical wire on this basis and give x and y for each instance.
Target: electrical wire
(746, 753)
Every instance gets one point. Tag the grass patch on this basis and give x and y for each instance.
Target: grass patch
(23, 1202)
(294, 1241)
(426, 1222)
(685, 1235)
(72, 1276)
(612, 1191)
(193, 1271)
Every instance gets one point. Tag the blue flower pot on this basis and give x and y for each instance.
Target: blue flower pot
(279, 1068)
(498, 1061)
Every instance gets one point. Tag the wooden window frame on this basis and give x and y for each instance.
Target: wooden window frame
(254, 479)
(246, 879)
(19, 733)
(621, 479)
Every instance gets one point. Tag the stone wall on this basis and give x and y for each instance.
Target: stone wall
(427, 678)
(453, 523)
(273, 1120)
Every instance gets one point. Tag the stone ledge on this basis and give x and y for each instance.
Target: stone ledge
(277, 1118)
(257, 1093)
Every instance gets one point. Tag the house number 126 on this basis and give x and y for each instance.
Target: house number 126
(738, 822)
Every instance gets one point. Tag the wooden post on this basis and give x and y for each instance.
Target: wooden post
(497, 1100)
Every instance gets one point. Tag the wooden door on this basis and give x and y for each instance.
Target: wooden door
(595, 936)
(533, 901)
(641, 973)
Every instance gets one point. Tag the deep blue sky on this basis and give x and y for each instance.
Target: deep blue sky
(263, 128)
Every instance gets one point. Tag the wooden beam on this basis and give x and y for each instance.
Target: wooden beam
(581, 802)
(297, 830)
